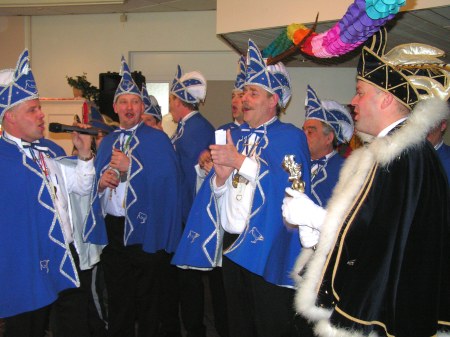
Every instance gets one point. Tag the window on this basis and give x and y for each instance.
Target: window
(161, 93)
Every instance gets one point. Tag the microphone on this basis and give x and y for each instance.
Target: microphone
(58, 128)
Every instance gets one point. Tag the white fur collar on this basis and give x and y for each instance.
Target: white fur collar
(352, 176)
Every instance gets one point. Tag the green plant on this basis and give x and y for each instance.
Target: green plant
(89, 91)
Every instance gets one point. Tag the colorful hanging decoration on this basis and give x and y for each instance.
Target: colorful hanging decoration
(362, 19)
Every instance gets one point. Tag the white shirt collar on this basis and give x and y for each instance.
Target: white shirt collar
(133, 128)
(268, 122)
(386, 130)
(189, 115)
(438, 146)
(327, 156)
(331, 154)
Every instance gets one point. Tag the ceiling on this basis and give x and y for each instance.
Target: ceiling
(431, 26)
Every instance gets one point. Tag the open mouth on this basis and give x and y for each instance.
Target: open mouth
(245, 108)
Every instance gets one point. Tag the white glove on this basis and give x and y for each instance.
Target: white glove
(308, 236)
(300, 210)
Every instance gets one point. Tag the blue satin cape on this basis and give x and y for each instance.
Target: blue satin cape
(153, 212)
(322, 184)
(35, 260)
(266, 247)
(198, 134)
(444, 155)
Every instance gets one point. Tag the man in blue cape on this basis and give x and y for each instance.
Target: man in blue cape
(38, 255)
(237, 212)
(194, 135)
(327, 124)
(137, 209)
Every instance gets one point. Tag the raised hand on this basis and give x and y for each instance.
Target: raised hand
(226, 158)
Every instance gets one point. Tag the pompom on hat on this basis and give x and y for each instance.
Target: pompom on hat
(190, 87)
(240, 78)
(411, 72)
(127, 86)
(151, 104)
(332, 113)
(273, 78)
(17, 85)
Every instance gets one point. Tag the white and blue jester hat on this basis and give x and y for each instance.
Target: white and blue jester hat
(190, 87)
(240, 78)
(151, 104)
(17, 85)
(127, 86)
(330, 112)
(273, 78)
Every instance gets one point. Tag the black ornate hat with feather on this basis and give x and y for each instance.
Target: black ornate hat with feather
(411, 72)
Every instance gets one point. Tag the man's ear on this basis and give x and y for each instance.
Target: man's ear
(176, 101)
(330, 138)
(388, 99)
(275, 99)
(444, 125)
(8, 116)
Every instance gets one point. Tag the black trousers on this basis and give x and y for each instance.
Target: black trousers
(214, 278)
(132, 283)
(192, 290)
(192, 302)
(169, 301)
(257, 308)
(74, 314)
(29, 324)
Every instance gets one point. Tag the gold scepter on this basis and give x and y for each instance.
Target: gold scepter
(295, 172)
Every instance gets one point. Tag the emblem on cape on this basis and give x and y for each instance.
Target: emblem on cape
(193, 235)
(257, 236)
(295, 172)
(142, 217)
(43, 264)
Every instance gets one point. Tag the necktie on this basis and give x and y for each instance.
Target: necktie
(247, 133)
(317, 165)
(39, 160)
(35, 146)
(124, 138)
(320, 162)
(124, 132)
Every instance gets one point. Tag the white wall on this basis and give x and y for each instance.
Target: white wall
(336, 84)
(73, 44)
(13, 37)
